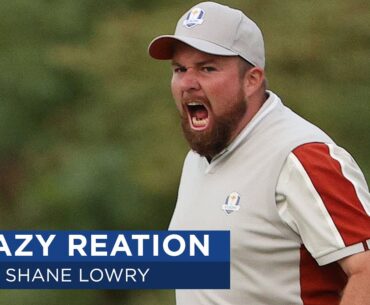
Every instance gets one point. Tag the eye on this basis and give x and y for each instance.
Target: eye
(208, 69)
(178, 69)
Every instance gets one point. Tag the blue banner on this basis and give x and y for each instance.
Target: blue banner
(114, 259)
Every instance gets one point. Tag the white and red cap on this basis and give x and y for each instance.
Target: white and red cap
(215, 29)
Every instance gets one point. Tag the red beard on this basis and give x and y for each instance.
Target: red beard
(212, 141)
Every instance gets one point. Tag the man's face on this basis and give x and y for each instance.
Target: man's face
(209, 95)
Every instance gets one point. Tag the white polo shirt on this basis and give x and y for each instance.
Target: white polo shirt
(299, 202)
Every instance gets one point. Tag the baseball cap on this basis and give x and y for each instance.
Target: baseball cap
(215, 29)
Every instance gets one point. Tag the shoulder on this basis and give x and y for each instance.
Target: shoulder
(323, 196)
(329, 166)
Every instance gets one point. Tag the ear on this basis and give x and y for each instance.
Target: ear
(253, 81)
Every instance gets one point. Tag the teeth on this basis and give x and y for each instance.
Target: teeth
(199, 122)
(194, 104)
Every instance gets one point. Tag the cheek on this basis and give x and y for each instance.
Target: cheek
(223, 95)
(176, 93)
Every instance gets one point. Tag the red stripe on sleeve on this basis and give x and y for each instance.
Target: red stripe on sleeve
(320, 285)
(336, 191)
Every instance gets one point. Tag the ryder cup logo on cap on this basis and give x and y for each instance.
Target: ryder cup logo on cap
(232, 203)
(194, 17)
(214, 29)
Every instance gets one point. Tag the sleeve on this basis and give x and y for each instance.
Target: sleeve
(323, 196)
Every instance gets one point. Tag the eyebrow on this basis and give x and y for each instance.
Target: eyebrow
(197, 64)
(174, 63)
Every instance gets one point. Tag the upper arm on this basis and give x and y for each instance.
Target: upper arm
(327, 201)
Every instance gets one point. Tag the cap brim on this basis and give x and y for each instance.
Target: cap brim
(163, 46)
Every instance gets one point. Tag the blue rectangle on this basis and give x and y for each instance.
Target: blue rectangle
(116, 260)
(158, 275)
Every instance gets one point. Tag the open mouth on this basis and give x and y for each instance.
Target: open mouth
(198, 115)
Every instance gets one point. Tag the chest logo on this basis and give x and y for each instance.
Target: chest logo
(194, 17)
(232, 203)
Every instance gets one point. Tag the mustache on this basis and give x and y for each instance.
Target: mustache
(188, 98)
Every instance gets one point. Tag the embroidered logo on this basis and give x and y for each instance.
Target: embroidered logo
(194, 17)
(232, 203)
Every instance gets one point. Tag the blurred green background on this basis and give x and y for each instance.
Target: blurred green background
(89, 135)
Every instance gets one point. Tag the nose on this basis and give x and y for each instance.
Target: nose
(189, 81)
